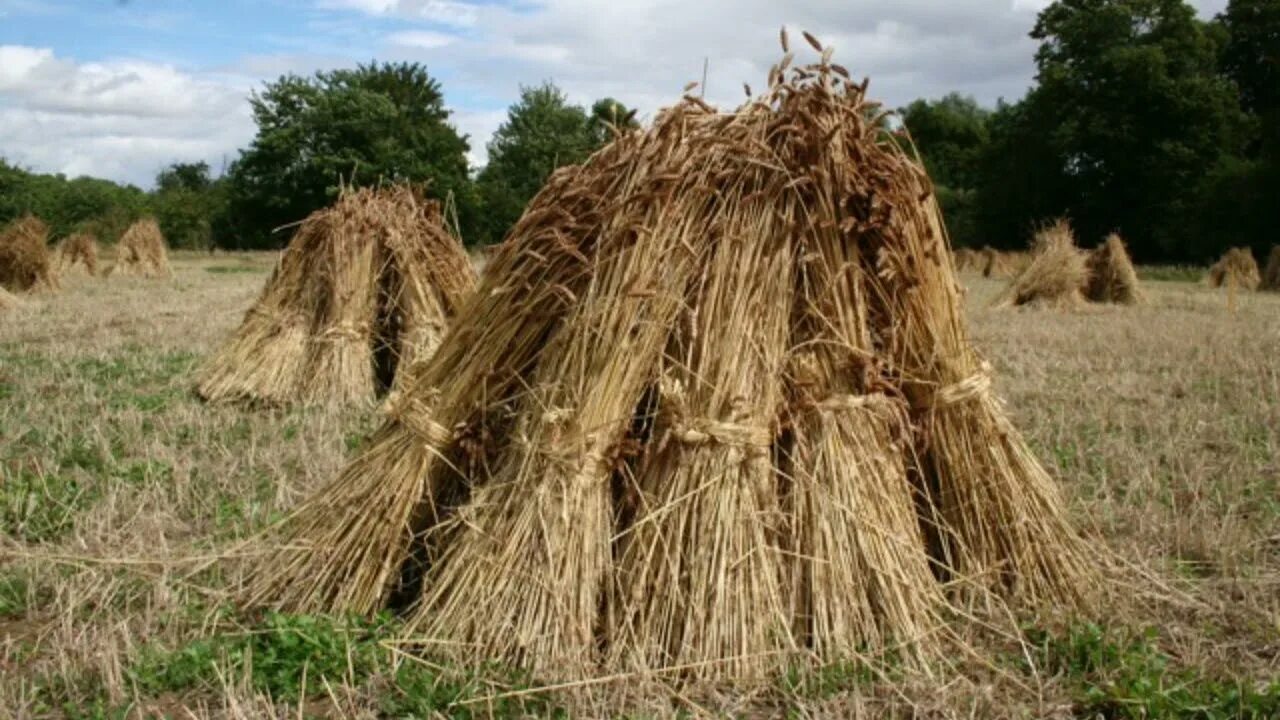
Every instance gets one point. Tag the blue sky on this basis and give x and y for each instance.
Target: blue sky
(120, 89)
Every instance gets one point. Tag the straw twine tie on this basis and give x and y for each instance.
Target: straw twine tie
(416, 416)
(753, 440)
(345, 331)
(971, 388)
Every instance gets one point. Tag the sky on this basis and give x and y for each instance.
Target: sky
(121, 88)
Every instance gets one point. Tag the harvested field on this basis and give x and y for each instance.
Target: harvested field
(1162, 423)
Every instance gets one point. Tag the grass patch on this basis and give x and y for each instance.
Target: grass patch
(233, 269)
(1125, 676)
(276, 654)
(291, 657)
(41, 508)
(1171, 273)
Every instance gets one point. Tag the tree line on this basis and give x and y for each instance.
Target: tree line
(1142, 119)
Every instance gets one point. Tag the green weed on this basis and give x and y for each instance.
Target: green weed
(1124, 677)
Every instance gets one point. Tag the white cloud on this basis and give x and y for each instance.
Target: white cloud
(643, 51)
(126, 118)
(122, 119)
(445, 12)
(478, 126)
(422, 39)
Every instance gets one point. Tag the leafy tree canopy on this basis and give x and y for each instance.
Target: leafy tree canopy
(543, 131)
(376, 123)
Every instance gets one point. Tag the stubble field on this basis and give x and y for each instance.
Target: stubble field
(124, 502)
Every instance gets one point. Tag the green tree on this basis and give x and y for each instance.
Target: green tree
(186, 203)
(542, 132)
(951, 134)
(376, 123)
(66, 205)
(1237, 199)
(607, 116)
(1251, 57)
(1129, 114)
(184, 176)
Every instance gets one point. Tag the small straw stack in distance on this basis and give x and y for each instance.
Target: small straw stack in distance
(142, 252)
(365, 288)
(25, 261)
(713, 410)
(78, 252)
(1056, 275)
(1236, 269)
(1112, 277)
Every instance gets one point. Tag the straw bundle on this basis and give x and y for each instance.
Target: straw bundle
(1055, 275)
(1236, 269)
(714, 404)
(1271, 276)
(25, 262)
(142, 252)
(1016, 261)
(78, 251)
(966, 259)
(1112, 277)
(365, 288)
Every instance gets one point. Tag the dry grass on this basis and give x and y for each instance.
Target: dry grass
(25, 261)
(1161, 421)
(365, 289)
(997, 264)
(1236, 269)
(78, 253)
(1056, 274)
(1271, 276)
(1112, 277)
(142, 252)
(8, 300)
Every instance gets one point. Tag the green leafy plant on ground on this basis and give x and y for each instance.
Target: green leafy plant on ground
(1125, 676)
(292, 658)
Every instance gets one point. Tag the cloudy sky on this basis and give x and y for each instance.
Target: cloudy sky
(120, 89)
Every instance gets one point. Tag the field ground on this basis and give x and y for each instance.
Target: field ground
(122, 499)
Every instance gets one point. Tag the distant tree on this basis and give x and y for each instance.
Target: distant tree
(184, 176)
(187, 203)
(66, 205)
(376, 123)
(542, 132)
(1128, 115)
(1251, 57)
(1238, 199)
(951, 134)
(607, 116)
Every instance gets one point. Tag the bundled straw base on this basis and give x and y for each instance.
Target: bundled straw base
(25, 260)
(1056, 275)
(364, 290)
(142, 252)
(79, 252)
(1237, 269)
(713, 409)
(1112, 277)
